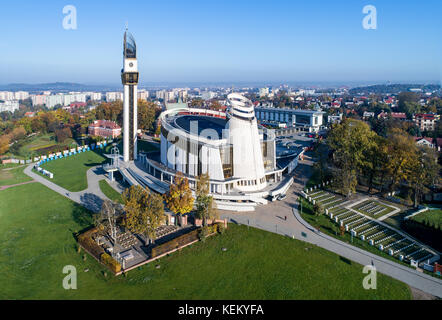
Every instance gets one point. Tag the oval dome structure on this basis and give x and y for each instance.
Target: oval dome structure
(240, 107)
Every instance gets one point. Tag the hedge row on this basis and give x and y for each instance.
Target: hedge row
(175, 243)
(114, 265)
(186, 239)
(86, 241)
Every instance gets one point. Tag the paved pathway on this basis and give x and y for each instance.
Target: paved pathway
(91, 198)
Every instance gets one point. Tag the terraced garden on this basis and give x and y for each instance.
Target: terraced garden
(355, 220)
(374, 209)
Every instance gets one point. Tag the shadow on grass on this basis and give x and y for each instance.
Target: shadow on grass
(82, 216)
(91, 202)
(345, 260)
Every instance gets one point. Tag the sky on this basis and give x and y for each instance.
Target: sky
(222, 41)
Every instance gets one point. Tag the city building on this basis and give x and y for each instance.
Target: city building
(9, 105)
(114, 96)
(143, 94)
(54, 100)
(264, 92)
(310, 120)
(105, 129)
(367, 115)
(7, 95)
(335, 118)
(94, 96)
(39, 99)
(21, 95)
(426, 122)
(395, 115)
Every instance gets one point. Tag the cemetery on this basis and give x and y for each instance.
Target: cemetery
(361, 219)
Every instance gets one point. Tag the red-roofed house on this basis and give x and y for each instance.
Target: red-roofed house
(422, 141)
(426, 121)
(394, 115)
(105, 129)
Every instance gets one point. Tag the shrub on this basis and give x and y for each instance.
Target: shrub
(85, 239)
(175, 243)
(220, 228)
(204, 232)
(114, 265)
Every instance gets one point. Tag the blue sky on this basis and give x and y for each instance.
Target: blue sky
(222, 41)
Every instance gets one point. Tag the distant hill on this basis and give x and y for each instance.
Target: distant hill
(56, 86)
(393, 88)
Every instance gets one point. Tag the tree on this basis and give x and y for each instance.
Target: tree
(424, 172)
(401, 151)
(321, 153)
(408, 103)
(350, 142)
(62, 134)
(205, 205)
(318, 209)
(179, 199)
(215, 105)
(18, 133)
(4, 144)
(147, 112)
(375, 167)
(197, 103)
(144, 211)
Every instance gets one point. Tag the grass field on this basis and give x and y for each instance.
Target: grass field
(13, 175)
(110, 192)
(37, 143)
(37, 235)
(147, 146)
(431, 218)
(70, 172)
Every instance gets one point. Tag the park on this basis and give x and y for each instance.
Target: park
(40, 238)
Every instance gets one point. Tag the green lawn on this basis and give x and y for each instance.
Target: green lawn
(70, 172)
(147, 146)
(13, 175)
(36, 233)
(110, 192)
(431, 218)
(39, 144)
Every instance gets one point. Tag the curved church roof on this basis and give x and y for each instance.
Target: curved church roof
(130, 46)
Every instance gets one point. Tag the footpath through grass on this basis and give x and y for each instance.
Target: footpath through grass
(13, 175)
(110, 192)
(70, 172)
(37, 228)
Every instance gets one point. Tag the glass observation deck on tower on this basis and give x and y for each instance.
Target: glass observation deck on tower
(130, 47)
